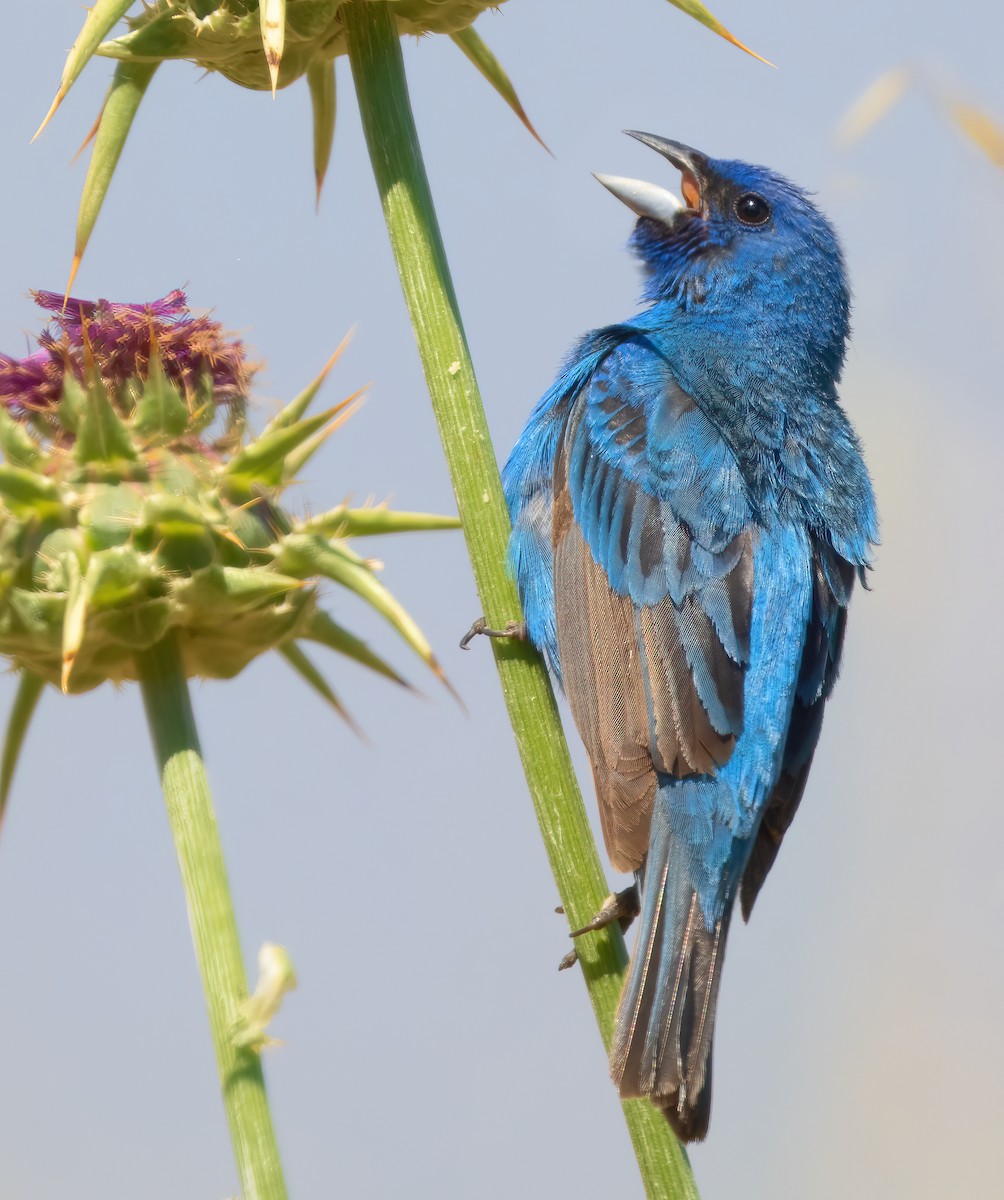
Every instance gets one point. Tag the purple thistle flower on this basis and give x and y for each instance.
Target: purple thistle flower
(118, 337)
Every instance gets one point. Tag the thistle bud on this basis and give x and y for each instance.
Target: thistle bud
(263, 45)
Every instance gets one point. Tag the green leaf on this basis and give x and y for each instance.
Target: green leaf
(161, 411)
(72, 402)
(321, 81)
(127, 91)
(22, 491)
(19, 448)
(102, 436)
(49, 564)
(239, 589)
(115, 580)
(115, 576)
(471, 43)
(29, 691)
(694, 8)
(295, 409)
(110, 515)
(98, 23)
(262, 461)
(298, 459)
(169, 33)
(302, 665)
(324, 630)
(367, 522)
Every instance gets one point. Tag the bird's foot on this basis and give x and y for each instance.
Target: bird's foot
(621, 907)
(515, 630)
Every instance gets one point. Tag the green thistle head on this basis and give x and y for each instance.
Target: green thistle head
(266, 45)
(133, 504)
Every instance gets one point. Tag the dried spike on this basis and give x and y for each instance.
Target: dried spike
(272, 19)
(321, 81)
(980, 128)
(97, 24)
(471, 43)
(872, 105)
(29, 691)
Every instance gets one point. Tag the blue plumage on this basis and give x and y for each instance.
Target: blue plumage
(690, 509)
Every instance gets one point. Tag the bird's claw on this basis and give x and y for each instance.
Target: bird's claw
(621, 907)
(515, 630)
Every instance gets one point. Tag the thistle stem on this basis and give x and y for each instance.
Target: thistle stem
(211, 915)
(378, 73)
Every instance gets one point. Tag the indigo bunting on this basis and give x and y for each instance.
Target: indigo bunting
(690, 510)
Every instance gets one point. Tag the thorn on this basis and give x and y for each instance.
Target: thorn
(74, 268)
(340, 349)
(50, 114)
(272, 23)
(64, 678)
(440, 674)
(729, 37)
(347, 407)
(90, 136)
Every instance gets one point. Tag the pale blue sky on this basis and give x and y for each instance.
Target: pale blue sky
(432, 1049)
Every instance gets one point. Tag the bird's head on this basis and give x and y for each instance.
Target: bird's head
(742, 240)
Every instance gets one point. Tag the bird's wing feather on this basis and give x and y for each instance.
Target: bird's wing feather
(833, 581)
(653, 586)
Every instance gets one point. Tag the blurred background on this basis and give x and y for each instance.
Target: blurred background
(432, 1049)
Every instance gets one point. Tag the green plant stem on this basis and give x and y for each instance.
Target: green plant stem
(378, 73)
(211, 915)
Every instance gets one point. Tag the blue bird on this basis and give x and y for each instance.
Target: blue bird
(690, 509)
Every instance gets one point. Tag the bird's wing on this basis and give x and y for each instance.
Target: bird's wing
(653, 585)
(833, 581)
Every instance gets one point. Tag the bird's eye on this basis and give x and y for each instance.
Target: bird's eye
(752, 209)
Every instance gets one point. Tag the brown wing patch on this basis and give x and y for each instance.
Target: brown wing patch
(601, 677)
(620, 664)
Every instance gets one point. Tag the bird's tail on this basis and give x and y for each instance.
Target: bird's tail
(665, 1023)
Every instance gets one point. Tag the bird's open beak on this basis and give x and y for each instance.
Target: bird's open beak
(650, 200)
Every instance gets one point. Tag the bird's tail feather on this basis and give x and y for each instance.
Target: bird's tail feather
(665, 1023)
